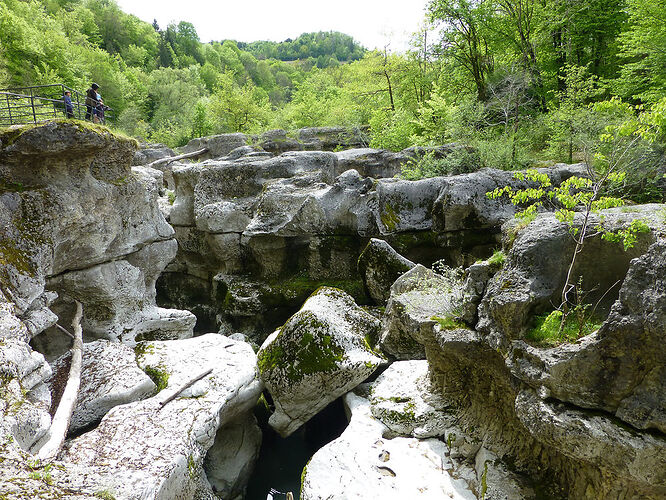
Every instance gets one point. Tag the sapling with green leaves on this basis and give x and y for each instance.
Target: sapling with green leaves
(577, 198)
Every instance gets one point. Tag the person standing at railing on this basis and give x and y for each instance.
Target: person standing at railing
(69, 108)
(91, 101)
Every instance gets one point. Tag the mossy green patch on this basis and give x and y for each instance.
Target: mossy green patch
(10, 254)
(389, 217)
(405, 415)
(143, 348)
(159, 377)
(497, 259)
(104, 495)
(311, 349)
(546, 331)
(8, 136)
(301, 286)
(448, 322)
(191, 468)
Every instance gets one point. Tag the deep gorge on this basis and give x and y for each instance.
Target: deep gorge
(306, 277)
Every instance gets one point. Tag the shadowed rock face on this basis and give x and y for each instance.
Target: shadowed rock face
(258, 235)
(78, 222)
(585, 419)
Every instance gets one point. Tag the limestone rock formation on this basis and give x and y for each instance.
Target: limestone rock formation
(73, 215)
(146, 450)
(419, 299)
(619, 369)
(363, 463)
(109, 377)
(318, 355)
(304, 218)
(380, 265)
(534, 273)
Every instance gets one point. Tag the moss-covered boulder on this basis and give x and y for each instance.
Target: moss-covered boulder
(318, 355)
(380, 265)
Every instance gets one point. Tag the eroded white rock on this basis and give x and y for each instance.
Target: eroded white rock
(317, 356)
(143, 450)
(362, 463)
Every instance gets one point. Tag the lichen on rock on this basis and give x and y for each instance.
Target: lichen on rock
(316, 356)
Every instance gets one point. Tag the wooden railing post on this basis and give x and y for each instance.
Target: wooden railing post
(9, 110)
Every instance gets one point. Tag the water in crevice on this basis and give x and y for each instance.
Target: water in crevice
(281, 460)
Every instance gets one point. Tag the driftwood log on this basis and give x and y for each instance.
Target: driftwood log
(49, 446)
(170, 159)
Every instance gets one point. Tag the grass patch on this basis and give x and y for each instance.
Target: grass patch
(546, 331)
(448, 322)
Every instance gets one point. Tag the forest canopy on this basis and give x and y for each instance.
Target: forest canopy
(521, 82)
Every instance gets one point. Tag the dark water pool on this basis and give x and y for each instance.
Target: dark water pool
(281, 461)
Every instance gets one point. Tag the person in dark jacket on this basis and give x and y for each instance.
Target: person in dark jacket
(69, 108)
(91, 100)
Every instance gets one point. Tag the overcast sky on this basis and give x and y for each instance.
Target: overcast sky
(370, 22)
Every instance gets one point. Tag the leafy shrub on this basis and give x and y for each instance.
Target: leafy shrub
(391, 130)
(460, 161)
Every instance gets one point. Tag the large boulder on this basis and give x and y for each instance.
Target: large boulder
(319, 354)
(380, 265)
(109, 377)
(155, 448)
(420, 299)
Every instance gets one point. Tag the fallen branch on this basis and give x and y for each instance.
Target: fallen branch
(64, 330)
(170, 159)
(49, 446)
(186, 385)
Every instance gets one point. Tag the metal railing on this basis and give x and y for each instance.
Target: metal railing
(41, 103)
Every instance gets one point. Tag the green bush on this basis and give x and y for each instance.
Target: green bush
(460, 161)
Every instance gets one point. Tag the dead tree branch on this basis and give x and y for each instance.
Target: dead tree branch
(170, 159)
(49, 446)
(186, 385)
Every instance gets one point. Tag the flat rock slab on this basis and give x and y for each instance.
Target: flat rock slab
(109, 377)
(144, 450)
(361, 463)
(319, 354)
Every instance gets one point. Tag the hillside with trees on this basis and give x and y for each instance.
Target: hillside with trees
(522, 82)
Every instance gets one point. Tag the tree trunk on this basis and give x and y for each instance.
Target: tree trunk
(49, 446)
